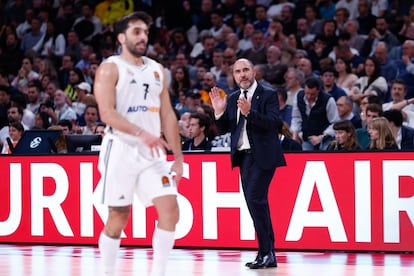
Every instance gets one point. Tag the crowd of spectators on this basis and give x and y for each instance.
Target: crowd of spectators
(336, 66)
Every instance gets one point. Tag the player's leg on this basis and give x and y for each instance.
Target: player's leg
(118, 183)
(163, 237)
(110, 238)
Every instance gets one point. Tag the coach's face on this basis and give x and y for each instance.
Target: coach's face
(243, 73)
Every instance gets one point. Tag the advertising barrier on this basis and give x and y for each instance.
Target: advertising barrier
(319, 201)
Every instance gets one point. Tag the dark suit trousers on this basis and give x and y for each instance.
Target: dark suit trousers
(255, 183)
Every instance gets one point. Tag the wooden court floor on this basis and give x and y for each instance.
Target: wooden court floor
(39, 260)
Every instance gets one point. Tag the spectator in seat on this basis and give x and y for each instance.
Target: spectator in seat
(356, 61)
(398, 98)
(285, 110)
(346, 79)
(62, 108)
(54, 43)
(75, 78)
(365, 19)
(293, 82)
(405, 66)
(206, 56)
(314, 113)
(328, 77)
(407, 30)
(209, 81)
(14, 114)
(25, 75)
(388, 68)
(372, 111)
(11, 56)
(262, 22)
(373, 83)
(345, 137)
(403, 135)
(198, 127)
(256, 54)
(66, 125)
(356, 40)
(274, 70)
(33, 97)
(381, 135)
(83, 91)
(311, 15)
(91, 118)
(33, 38)
(15, 133)
(87, 25)
(345, 111)
(260, 74)
(100, 129)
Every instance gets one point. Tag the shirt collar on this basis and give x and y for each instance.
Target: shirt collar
(250, 90)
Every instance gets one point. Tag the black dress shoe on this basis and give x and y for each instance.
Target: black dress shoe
(258, 259)
(268, 260)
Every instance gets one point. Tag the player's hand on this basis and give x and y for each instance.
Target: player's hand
(177, 169)
(154, 143)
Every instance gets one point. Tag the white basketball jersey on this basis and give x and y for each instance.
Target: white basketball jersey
(138, 94)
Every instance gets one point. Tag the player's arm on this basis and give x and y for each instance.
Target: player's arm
(105, 94)
(169, 127)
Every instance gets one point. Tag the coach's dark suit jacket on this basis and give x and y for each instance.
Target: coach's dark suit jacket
(262, 125)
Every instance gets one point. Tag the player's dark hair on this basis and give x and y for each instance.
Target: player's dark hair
(122, 24)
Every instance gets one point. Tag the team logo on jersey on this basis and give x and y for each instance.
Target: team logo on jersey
(156, 76)
(132, 81)
(165, 180)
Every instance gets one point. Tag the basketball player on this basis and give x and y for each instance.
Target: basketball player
(131, 91)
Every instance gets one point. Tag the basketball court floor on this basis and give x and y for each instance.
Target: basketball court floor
(48, 260)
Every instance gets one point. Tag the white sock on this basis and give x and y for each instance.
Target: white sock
(162, 244)
(109, 249)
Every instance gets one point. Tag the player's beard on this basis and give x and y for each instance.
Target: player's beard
(132, 48)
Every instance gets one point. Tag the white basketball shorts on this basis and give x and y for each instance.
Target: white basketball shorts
(130, 169)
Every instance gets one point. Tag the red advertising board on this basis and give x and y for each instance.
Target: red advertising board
(319, 201)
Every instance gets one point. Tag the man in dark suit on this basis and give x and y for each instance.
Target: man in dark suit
(403, 134)
(250, 114)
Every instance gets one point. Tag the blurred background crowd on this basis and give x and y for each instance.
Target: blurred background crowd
(343, 70)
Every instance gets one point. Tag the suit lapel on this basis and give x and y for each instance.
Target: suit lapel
(257, 95)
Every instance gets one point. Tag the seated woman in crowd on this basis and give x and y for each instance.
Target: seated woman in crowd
(180, 81)
(381, 135)
(42, 120)
(345, 137)
(75, 78)
(346, 79)
(25, 75)
(372, 83)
